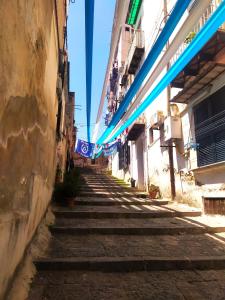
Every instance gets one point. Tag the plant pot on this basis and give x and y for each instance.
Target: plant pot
(69, 201)
(153, 194)
(132, 182)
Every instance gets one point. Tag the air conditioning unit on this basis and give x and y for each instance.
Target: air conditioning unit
(156, 119)
(172, 128)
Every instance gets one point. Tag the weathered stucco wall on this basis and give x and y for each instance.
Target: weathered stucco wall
(28, 108)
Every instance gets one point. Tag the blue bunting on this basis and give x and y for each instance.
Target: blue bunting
(172, 22)
(89, 21)
(207, 31)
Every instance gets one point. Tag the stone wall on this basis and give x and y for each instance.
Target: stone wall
(28, 109)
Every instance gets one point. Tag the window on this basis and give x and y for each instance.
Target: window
(121, 158)
(124, 156)
(151, 136)
(210, 129)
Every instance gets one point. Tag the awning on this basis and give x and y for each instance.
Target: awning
(135, 131)
(206, 66)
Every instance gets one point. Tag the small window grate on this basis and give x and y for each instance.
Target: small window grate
(214, 206)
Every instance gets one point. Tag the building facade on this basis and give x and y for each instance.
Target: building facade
(34, 95)
(178, 143)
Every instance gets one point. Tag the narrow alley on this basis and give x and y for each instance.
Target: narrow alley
(112, 150)
(116, 244)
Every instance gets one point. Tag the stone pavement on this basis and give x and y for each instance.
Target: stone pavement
(122, 245)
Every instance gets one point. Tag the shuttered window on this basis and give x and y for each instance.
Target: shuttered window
(121, 158)
(124, 156)
(210, 129)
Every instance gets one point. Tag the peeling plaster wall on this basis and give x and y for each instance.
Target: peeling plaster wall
(28, 108)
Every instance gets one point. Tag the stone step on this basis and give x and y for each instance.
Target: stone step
(151, 230)
(102, 179)
(112, 202)
(100, 184)
(106, 182)
(132, 253)
(135, 263)
(200, 222)
(112, 194)
(106, 190)
(103, 184)
(127, 211)
(104, 187)
(87, 285)
(132, 222)
(65, 245)
(115, 215)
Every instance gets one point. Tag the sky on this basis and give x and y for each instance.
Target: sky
(103, 19)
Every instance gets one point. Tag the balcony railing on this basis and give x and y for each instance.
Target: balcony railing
(136, 51)
(207, 14)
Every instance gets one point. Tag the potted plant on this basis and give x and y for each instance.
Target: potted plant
(132, 182)
(66, 191)
(190, 37)
(154, 191)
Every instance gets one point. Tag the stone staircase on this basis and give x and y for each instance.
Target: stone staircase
(115, 243)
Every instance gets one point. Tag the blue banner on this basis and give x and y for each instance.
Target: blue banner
(110, 150)
(84, 148)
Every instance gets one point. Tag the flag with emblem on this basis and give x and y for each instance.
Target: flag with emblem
(84, 148)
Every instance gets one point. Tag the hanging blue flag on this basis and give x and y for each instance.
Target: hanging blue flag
(110, 150)
(84, 148)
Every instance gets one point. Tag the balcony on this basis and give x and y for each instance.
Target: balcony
(136, 52)
(114, 77)
(136, 129)
(206, 66)
(124, 78)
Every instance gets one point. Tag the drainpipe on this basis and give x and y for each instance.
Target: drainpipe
(170, 143)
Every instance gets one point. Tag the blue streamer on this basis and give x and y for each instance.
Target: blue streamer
(197, 43)
(99, 154)
(89, 21)
(178, 11)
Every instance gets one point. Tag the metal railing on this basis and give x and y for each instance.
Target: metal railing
(138, 42)
(207, 14)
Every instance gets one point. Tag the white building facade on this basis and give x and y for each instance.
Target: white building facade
(178, 143)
